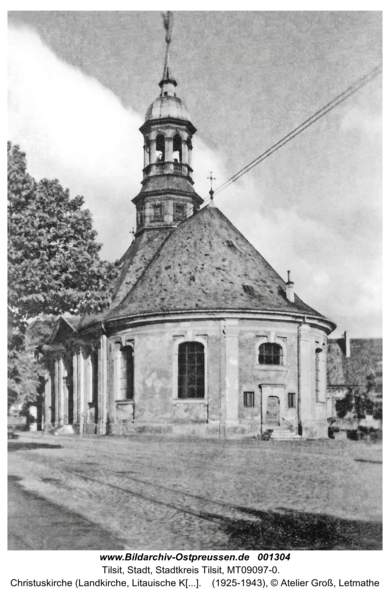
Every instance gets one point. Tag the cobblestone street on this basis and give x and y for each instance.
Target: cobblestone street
(145, 492)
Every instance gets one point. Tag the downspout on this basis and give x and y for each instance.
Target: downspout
(299, 379)
(261, 410)
(222, 383)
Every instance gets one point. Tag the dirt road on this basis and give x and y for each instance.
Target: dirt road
(146, 492)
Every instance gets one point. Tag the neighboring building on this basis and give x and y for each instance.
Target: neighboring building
(202, 336)
(353, 364)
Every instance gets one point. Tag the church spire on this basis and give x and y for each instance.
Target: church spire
(167, 74)
(167, 196)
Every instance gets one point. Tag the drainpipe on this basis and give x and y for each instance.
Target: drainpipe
(261, 410)
(222, 424)
(299, 379)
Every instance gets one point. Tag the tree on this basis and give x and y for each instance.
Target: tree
(356, 403)
(53, 264)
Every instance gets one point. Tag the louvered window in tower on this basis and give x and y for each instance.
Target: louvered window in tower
(160, 148)
(270, 354)
(177, 154)
(179, 212)
(191, 370)
(157, 212)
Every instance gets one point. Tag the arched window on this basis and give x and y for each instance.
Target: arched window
(191, 370)
(126, 375)
(270, 354)
(177, 149)
(160, 148)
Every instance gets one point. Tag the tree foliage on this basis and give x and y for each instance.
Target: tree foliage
(53, 264)
(357, 404)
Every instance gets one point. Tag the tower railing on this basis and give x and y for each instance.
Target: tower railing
(160, 168)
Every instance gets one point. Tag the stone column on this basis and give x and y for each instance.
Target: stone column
(56, 392)
(222, 381)
(81, 391)
(168, 149)
(231, 374)
(61, 398)
(102, 389)
(75, 389)
(306, 364)
(48, 386)
(146, 156)
(184, 153)
(152, 151)
(190, 154)
(89, 380)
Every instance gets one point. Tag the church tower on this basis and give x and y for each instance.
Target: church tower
(202, 336)
(167, 196)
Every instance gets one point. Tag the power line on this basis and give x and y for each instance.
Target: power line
(349, 91)
(352, 89)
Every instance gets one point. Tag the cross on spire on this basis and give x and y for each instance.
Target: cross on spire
(211, 192)
(168, 25)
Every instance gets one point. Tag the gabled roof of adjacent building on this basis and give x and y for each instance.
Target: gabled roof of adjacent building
(364, 360)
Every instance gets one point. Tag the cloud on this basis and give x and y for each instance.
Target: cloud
(74, 129)
(360, 119)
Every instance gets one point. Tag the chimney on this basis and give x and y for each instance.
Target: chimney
(347, 344)
(289, 288)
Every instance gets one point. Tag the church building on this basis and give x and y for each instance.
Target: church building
(202, 336)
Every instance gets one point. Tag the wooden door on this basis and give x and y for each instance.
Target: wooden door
(272, 410)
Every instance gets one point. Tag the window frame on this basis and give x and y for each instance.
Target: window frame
(159, 218)
(291, 400)
(271, 363)
(176, 206)
(191, 385)
(249, 399)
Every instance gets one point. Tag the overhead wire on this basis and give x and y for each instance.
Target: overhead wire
(352, 89)
(349, 91)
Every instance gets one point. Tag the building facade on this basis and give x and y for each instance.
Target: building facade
(202, 336)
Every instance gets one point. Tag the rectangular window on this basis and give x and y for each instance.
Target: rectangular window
(191, 365)
(249, 399)
(157, 212)
(141, 216)
(291, 400)
(179, 212)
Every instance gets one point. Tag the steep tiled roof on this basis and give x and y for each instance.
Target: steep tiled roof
(133, 264)
(207, 264)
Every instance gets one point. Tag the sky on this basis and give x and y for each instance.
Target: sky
(80, 84)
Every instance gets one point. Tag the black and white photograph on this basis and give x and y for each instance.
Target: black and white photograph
(194, 287)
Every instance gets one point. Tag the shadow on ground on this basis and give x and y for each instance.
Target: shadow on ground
(38, 524)
(294, 530)
(13, 447)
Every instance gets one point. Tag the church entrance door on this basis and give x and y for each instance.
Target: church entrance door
(272, 410)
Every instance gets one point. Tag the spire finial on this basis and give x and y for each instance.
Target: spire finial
(211, 192)
(168, 25)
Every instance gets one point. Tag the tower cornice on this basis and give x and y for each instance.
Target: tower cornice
(163, 121)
